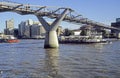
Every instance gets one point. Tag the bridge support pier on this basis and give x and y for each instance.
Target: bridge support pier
(51, 40)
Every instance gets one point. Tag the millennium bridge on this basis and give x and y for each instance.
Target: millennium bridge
(58, 13)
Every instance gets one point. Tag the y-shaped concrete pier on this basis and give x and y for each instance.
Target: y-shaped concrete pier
(51, 40)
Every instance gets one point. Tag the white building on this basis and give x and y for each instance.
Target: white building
(77, 32)
(9, 27)
(29, 22)
(10, 24)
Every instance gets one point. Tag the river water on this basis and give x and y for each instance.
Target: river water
(28, 59)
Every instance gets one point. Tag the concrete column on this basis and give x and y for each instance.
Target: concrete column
(51, 40)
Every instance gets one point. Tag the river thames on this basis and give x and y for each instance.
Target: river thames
(28, 59)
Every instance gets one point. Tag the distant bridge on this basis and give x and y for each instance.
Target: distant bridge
(60, 14)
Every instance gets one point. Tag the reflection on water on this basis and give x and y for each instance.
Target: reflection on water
(52, 63)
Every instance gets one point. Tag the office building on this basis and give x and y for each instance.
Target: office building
(9, 30)
(31, 29)
(21, 29)
(117, 25)
(10, 24)
(24, 29)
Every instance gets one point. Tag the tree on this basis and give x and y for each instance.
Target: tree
(83, 33)
(68, 32)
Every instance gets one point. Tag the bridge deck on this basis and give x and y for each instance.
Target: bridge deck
(50, 12)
